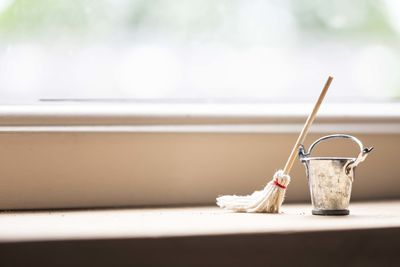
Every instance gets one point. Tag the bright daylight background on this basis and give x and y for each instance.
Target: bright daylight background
(199, 50)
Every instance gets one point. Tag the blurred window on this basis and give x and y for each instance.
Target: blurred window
(198, 50)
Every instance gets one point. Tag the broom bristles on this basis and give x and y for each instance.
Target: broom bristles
(268, 200)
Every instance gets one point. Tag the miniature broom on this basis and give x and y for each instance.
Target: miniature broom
(270, 199)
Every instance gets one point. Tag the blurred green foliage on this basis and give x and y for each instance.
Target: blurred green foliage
(53, 19)
(35, 18)
(357, 17)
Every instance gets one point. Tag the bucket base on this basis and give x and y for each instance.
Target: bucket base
(330, 212)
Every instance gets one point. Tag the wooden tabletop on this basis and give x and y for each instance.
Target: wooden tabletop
(202, 236)
(191, 221)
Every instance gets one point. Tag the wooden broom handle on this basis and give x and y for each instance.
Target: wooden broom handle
(306, 128)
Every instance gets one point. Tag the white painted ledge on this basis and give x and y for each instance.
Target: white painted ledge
(389, 109)
(192, 118)
(354, 128)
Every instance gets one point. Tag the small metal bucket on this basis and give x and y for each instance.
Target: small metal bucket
(330, 178)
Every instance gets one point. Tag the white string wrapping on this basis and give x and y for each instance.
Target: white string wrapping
(268, 200)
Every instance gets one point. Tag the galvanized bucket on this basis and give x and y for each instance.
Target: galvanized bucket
(330, 178)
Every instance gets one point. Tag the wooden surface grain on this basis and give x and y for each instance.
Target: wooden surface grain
(190, 221)
(202, 236)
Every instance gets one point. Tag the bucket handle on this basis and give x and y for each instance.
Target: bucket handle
(351, 165)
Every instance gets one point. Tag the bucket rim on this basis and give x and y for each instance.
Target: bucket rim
(328, 158)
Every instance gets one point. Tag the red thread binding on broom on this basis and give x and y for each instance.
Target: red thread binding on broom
(279, 185)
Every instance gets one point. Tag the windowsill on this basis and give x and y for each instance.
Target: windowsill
(23, 226)
(201, 237)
